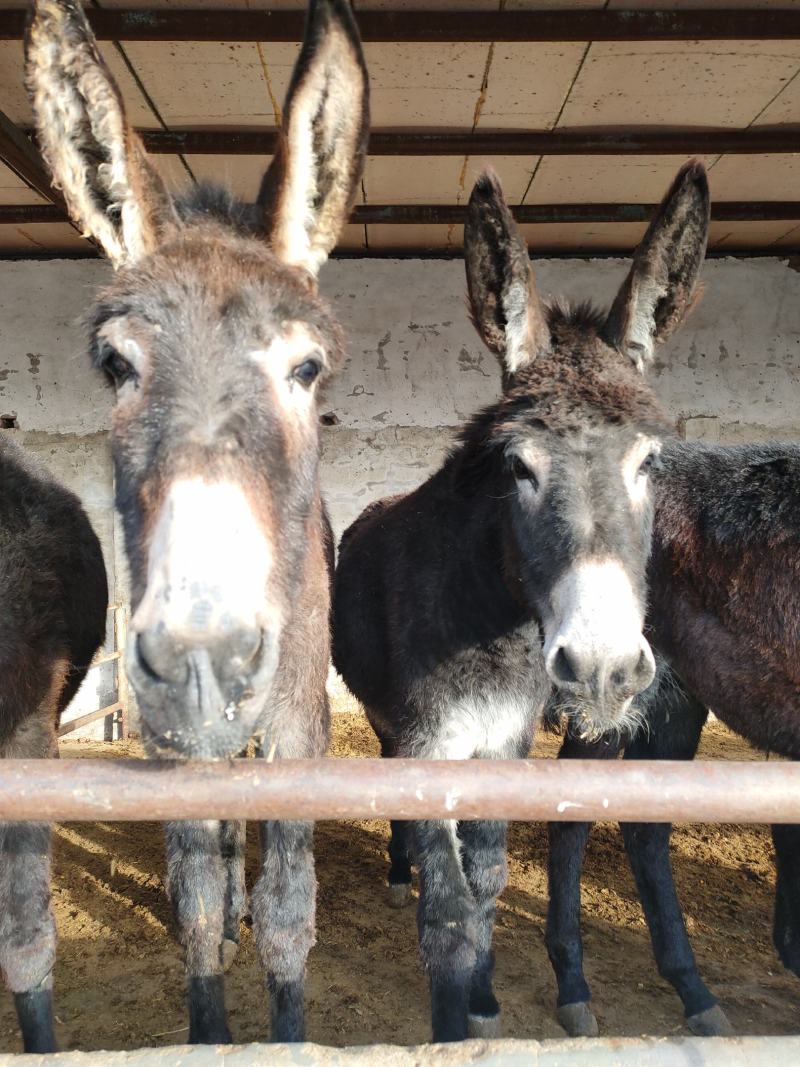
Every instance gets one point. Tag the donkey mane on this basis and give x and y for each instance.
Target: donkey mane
(208, 201)
(579, 315)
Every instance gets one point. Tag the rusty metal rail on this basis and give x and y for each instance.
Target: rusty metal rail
(116, 790)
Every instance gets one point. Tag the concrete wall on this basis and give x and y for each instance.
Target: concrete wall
(415, 369)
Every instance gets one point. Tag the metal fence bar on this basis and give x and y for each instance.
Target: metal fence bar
(570, 790)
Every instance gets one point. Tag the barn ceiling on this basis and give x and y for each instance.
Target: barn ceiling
(627, 111)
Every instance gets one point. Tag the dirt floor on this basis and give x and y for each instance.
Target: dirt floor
(119, 981)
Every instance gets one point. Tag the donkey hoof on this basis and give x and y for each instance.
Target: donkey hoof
(578, 1019)
(713, 1022)
(483, 1026)
(399, 894)
(229, 950)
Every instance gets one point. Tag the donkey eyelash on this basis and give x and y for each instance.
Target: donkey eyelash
(118, 368)
(523, 473)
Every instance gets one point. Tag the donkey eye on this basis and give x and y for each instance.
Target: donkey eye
(307, 372)
(647, 463)
(523, 473)
(118, 368)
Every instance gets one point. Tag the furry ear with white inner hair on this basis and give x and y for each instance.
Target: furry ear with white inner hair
(94, 156)
(504, 304)
(661, 286)
(309, 188)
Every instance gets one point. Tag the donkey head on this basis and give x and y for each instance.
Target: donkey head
(574, 441)
(216, 339)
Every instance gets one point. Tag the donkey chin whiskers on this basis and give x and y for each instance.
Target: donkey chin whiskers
(584, 724)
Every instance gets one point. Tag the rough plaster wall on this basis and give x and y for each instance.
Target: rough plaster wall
(414, 371)
(415, 368)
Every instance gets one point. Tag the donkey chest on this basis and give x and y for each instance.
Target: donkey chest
(486, 702)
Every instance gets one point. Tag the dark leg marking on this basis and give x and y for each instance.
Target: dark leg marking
(196, 883)
(399, 856)
(400, 865)
(786, 929)
(27, 930)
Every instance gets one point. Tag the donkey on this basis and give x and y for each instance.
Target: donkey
(217, 340)
(725, 619)
(538, 523)
(53, 586)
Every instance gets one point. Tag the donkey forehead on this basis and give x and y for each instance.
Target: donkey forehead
(591, 445)
(219, 275)
(187, 308)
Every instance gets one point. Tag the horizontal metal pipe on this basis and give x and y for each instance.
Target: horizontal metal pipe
(428, 142)
(87, 790)
(437, 26)
(455, 214)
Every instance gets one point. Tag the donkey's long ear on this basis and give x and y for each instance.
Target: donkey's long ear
(310, 185)
(504, 304)
(94, 156)
(660, 288)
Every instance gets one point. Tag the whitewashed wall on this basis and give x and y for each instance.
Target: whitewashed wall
(415, 369)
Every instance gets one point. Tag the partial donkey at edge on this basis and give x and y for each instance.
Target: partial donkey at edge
(55, 599)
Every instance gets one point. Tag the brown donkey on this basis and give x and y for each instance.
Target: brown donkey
(53, 588)
(216, 338)
(724, 617)
(519, 564)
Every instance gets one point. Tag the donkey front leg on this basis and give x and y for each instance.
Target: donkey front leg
(196, 884)
(283, 907)
(563, 932)
(567, 845)
(486, 870)
(446, 922)
(676, 723)
(27, 930)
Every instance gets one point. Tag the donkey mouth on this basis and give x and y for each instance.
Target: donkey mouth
(590, 722)
(196, 714)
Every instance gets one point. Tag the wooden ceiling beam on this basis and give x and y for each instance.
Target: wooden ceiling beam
(454, 214)
(19, 153)
(167, 24)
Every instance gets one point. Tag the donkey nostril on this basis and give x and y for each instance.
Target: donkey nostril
(618, 678)
(564, 668)
(160, 658)
(237, 652)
